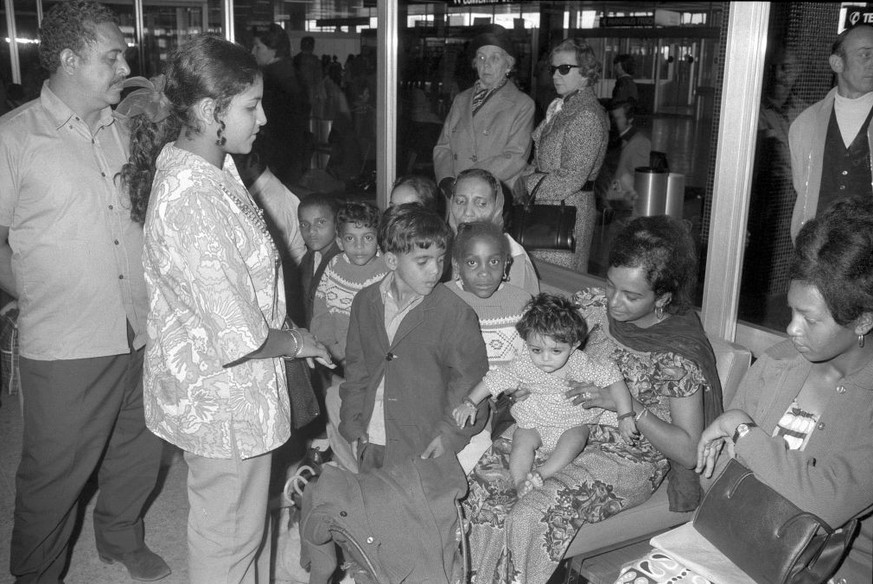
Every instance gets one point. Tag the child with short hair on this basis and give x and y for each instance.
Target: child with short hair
(414, 349)
(317, 216)
(553, 330)
(349, 272)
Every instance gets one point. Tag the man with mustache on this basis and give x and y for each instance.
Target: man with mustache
(71, 254)
(830, 141)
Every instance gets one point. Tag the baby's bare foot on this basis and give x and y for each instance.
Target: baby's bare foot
(533, 481)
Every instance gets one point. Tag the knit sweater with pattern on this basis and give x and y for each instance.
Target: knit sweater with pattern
(331, 310)
(497, 317)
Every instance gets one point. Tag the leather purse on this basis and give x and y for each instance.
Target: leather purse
(543, 226)
(765, 534)
(304, 403)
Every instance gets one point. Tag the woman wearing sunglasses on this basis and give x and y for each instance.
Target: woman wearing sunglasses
(570, 145)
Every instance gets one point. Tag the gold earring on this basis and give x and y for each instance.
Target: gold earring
(659, 312)
(861, 340)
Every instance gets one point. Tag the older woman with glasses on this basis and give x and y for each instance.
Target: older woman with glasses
(570, 146)
(489, 124)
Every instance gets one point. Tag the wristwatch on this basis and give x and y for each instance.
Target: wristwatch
(742, 430)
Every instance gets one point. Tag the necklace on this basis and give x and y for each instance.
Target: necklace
(256, 216)
(252, 212)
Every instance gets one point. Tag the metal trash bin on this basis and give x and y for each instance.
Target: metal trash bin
(651, 188)
(675, 199)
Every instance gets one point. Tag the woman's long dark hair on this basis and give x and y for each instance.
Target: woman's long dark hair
(203, 67)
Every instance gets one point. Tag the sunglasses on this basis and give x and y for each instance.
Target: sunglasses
(564, 69)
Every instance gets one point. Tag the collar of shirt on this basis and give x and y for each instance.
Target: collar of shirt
(388, 294)
(61, 112)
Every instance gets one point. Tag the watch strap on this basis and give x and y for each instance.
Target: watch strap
(742, 430)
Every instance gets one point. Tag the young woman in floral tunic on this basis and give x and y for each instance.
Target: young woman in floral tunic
(214, 380)
(645, 323)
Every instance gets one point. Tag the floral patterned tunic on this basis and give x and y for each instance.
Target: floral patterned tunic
(213, 280)
(521, 541)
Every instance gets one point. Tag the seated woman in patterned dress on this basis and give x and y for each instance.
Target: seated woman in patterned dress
(645, 323)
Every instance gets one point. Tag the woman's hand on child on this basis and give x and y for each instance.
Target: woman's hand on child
(628, 429)
(588, 395)
(464, 414)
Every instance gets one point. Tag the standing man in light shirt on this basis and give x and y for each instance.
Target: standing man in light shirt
(831, 142)
(72, 255)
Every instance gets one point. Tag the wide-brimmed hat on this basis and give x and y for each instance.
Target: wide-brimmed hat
(495, 35)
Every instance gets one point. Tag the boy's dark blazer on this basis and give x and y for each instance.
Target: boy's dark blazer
(437, 357)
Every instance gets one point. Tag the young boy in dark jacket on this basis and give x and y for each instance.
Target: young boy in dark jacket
(414, 350)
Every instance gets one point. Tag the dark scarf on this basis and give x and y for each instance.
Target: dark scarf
(681, 334)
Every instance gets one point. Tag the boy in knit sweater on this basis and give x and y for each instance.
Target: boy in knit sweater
(358, 266)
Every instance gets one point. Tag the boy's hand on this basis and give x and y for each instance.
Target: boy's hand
(435, 449)
(464, 414)
(358, 446)
(628, 429)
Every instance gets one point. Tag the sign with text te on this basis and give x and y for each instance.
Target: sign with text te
(858, 16)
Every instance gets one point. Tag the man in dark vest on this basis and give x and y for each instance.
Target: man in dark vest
(830, 141)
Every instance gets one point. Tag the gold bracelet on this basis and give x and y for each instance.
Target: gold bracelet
(470, 403)
(640, 416)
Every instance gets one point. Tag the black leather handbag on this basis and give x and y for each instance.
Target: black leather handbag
(304, 403)
(765, 534)
(544, 226)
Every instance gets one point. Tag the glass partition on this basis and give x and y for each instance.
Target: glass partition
(167, 23)
(678, 55)
(796, 76)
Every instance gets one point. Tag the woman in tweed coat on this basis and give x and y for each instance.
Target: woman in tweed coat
(570, 145)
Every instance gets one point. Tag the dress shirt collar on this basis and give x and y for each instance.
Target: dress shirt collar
(386, 291)
(61, 112)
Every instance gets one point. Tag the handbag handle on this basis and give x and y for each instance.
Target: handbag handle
(529, 203)
(780, 532)
(531, 199)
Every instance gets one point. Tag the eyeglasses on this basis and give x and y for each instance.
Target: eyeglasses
(564, 69)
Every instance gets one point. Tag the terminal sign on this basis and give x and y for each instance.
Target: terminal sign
(858, 16)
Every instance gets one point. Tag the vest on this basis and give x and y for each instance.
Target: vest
(845, 171)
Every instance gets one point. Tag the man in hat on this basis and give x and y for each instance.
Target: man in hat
(490, 124)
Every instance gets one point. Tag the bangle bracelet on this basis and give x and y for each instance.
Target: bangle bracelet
(469, 402)
(640, 416)
(626, 415)
(297, 338)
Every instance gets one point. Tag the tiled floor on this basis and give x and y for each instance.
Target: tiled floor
(165, 519)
